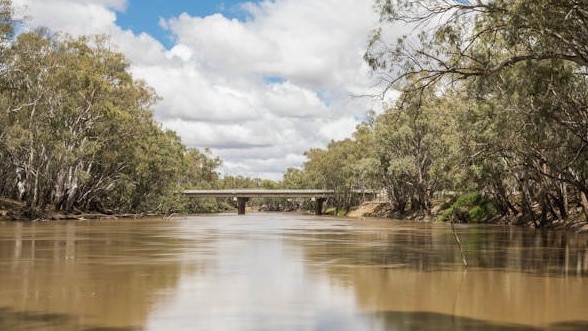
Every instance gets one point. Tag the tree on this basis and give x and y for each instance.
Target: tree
(340, 167)
(522, 65)
(294, 178)
(78, 132)
(461, 39)
(200, 169)
(532, 137)
(413, 141)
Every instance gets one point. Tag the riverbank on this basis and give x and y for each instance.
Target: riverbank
(370, 209)
(14, 210)
(379, 209)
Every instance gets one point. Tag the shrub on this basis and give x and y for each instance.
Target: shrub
(470, 207)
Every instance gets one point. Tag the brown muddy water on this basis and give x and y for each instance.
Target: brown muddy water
(288, 272)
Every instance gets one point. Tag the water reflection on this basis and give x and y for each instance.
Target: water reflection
(87, 273)
(432, 247)
(288, 272)
(417, 321)
(492, 296)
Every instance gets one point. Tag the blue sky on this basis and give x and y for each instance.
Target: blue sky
(144, 15)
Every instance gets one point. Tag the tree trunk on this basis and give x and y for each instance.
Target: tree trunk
(526, 205)
(584, 203)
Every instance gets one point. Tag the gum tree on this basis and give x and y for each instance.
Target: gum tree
(519, 63)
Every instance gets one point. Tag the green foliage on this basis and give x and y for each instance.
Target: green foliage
(514, 73)
(204, 206)
(200, 169)
(77, 132)
(494, 98)
(469, 208)
(414, 141)
(295, 179)
(7, 21)
(345, 166)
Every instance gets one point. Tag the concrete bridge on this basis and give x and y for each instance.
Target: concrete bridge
(243, 195)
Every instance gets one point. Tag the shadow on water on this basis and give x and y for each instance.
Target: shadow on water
(12, 320)
(432, 247)
(30, 320)
(409, 321)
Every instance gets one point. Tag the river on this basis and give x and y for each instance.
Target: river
(288, 272)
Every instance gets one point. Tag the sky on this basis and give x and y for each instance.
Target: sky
(258, 83)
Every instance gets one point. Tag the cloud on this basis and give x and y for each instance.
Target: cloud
(223, 44)
(290, 100)
(223, 136)
(72, 16)
(258, 91)
(192, 95)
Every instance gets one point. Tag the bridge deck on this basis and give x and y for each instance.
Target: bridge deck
(258, 193)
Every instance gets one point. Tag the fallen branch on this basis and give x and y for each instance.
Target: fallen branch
(463, 256)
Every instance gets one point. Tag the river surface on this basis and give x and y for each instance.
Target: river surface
(288, 272)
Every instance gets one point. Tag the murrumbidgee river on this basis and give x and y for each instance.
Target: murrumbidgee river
(286, 271)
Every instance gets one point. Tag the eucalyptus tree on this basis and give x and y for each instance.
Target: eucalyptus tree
(365, 163)
(6, 35)
(414, 142)
(487, 137)
(78, 128)
(200, 169)
(347, 166)
(532, 138)
(522, 67)
(294, 178)
(6, 20)
(453, 39)
(331, 168)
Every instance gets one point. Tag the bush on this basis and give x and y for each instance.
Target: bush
(469, 208)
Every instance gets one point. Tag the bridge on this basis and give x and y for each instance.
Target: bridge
(243, 195)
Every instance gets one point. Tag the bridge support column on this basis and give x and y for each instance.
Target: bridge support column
(241, 205)
(319, 206)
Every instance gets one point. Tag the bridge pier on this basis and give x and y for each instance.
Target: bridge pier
(241, 201)
(319, 206)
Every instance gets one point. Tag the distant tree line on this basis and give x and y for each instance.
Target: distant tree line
(493, 105)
